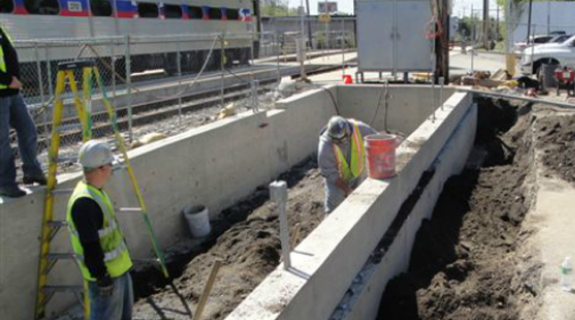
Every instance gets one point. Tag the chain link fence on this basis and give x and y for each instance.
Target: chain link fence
(153, 82)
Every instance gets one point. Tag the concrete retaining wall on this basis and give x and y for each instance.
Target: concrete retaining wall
(365, 304)
(216, 165)
(325, 264)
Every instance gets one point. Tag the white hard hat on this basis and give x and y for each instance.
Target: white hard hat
(94, 154)
(337, 128)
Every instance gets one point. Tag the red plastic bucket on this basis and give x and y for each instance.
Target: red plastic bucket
(380, 149)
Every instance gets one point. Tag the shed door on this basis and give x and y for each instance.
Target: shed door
(413, 49)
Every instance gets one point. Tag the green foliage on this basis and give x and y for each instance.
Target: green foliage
(276, 8)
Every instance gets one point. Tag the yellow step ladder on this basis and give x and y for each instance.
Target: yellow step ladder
(50, 226)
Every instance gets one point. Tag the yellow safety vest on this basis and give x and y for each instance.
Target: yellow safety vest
(116, 255)
(2, 62)
(346, 172)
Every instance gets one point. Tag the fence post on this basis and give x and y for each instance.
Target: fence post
(42, 97)
(222, 80)
(49, 68)
(179, 66)
(113, 62)
(278, 52)
(128, 66)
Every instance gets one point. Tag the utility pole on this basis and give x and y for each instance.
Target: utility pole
(309, 33)
(529, 21)
(486, 23)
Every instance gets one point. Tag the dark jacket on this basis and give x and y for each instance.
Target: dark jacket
(12, 67)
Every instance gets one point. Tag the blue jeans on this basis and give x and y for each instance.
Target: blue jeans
(14, 113)
(118, 306)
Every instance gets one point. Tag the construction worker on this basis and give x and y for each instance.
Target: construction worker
(97, 240)
(14, 113)
(341, 158)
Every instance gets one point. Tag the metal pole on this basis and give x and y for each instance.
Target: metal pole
(128, 66)
(179, 66)
(278, 57)
(44, 107)
(529, 20)
(532, 50)
(49, 70)
(113, 60)
(222, 80)
(548, 16)
(278, 193)
(441, 84)
(342, 46)
(472, 37)
(255, 100)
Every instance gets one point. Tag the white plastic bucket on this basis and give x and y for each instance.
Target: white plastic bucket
(198, 220)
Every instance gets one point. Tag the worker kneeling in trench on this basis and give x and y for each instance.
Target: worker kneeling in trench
(341, 158)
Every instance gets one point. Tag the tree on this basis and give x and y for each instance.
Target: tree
(276, 8)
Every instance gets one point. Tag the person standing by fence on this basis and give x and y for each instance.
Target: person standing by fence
(14, 113)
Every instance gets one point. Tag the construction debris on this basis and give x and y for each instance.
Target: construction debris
(148, 138)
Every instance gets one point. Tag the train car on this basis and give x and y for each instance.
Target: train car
(150, 25)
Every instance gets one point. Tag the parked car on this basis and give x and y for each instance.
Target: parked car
(562, 53)
(519, 47)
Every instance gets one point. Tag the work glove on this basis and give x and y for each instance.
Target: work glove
(105, 286)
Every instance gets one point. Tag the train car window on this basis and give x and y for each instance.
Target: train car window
(195, 12)
(233, 14)
(215, 13)
(47, 7)
(173, 11)
(147, 10)
(101, 8)
(6, 6)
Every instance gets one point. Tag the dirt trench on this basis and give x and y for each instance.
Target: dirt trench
(246, 239)
(464, 261)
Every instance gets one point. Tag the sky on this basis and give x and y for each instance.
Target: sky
(460, 7)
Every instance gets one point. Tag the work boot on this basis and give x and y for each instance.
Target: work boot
(37, 178)
(12, 192)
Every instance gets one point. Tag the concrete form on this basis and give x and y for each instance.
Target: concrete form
(220, 163)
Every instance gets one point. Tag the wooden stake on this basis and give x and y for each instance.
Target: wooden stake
(207, 290)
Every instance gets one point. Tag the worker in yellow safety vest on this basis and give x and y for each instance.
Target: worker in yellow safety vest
(14, 114)
(97, 241)
(341, 158)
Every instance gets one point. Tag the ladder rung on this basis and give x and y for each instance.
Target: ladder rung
(61, 256)
(62, 191)
(151, 260)
(54, 289)
(130, 210)
(67, 127)
(57, 223)
(66, 159)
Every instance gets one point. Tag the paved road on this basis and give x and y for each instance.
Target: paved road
(482, 61)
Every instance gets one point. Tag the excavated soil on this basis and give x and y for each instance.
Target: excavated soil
(245, 239)
(556, 138)
(463, 263)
